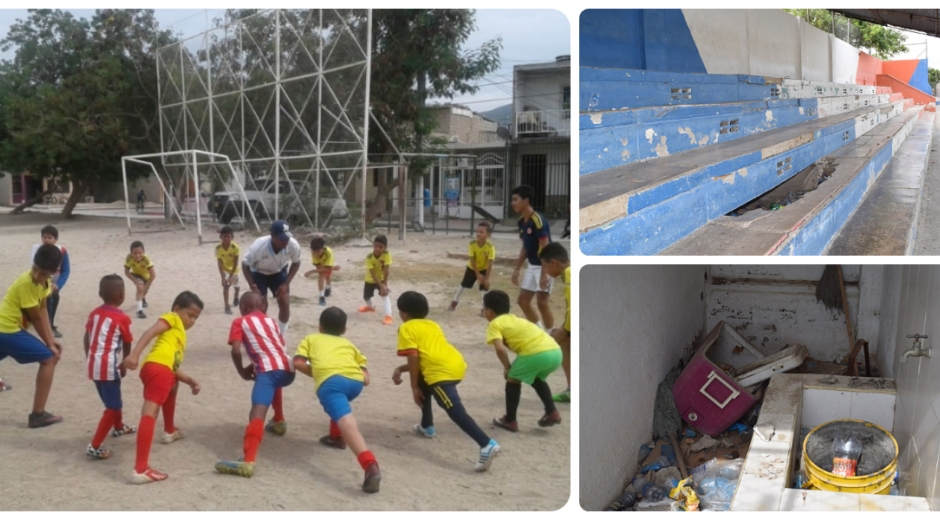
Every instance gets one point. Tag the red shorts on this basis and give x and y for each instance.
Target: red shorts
(158, 382)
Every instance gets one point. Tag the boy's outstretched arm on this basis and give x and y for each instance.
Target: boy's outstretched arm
(186, 379)
(39, 317)
(503, 355)
(127, 273)
(415, 371)
(247, 373)
(300, 365)
(131, 360)
(153, 276)
(86, 344)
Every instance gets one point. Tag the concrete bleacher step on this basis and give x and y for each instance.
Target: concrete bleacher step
(807, 226)
(642, 208)
(611, 138)
(886, 221)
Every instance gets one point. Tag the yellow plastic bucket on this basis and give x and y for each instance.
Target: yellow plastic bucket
(877, 482)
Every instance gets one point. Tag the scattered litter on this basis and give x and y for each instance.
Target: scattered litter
(667, 477)
(685, 496)
(716, 489)
(689, 432)
(727, 443)
(829, 380)
(879, 383)
(698, 473)
(704, 443)
(765, 431)
(738, 427)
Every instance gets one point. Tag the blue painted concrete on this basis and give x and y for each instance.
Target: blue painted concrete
(613, 89)
(654, 39)
(919, 78)
(621, 137)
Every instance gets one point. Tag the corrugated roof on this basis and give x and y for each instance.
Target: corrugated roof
(922, 20)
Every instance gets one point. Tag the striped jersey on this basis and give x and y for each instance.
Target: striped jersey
(108, 329)
(262, 340)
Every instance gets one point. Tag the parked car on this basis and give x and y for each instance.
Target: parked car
(229, 205)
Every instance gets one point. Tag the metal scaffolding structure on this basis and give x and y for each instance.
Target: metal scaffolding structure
(283, 94)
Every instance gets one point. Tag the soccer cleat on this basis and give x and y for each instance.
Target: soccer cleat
(99, 453)
(228, 310)
(563, 397)
(232, 467)
(333, 442)
(323, 301)
(373, 476)
(41, 420)
(487, 454)
(235, 301)
(328, 292)
(501, 422)
(149, 475)
(277, 428)
(453, 306)
(5, 386)
(145, 303)
(550, 419)
(169, 438)
(366, 308)
(426, 432)
(141, 315)
(126, 430)
(387, 320)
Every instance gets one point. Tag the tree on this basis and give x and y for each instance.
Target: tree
(933, 77)
(78, 95)
(881, 41)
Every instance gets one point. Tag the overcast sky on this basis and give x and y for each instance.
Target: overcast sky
(529, 36)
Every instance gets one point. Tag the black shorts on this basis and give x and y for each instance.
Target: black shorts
(368, 290)
(469, 278)
(269, 281)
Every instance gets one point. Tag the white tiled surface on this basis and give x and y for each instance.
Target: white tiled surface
(815, 500)
(874, 408)
(822, 406)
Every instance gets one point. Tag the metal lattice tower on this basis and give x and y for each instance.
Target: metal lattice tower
(283, 93)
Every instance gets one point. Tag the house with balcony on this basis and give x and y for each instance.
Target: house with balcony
(541, 133)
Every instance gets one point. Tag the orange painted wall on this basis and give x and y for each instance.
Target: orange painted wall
(868, 69)
(901, 69)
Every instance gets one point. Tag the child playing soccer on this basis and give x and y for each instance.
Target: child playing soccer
(537, 356)
(271, 370)
(161, 377)
(339, 373)
(436, 367)
(555, 262)
(227, 255)
(25, 303)
(377, 263)
(50, 235)
(107, 339)
(482, 254)
(323, 263)
(139, 269)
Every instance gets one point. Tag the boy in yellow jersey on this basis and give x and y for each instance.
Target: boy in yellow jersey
(436, 367)
(339, 373)
(537, 356)
(161, 375)
(322, 257)
(227, 255)
(25, 303)
(482, 253)
(555, 262)
(139, 269)
(377, 264)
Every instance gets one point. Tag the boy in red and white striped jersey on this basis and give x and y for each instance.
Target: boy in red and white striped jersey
(270, 368)
(107, 341)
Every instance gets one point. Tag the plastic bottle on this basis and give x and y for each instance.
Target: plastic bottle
(845, 453)
(624, 503)
(648, 490)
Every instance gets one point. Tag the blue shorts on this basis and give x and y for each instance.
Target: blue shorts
(336, 393)
(23, 347)
(269, 281)
(266, 383)
(110, 393)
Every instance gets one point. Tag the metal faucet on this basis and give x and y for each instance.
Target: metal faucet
(916, 349)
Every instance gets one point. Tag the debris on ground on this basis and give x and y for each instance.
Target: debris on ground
(791, 190)
(829, 380)
(704, 443)
(879, 383)
(815, 366)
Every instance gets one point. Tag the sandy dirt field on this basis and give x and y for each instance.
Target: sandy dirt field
(293, 472)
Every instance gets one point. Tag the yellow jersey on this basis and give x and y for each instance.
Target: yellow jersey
(481, 255)
(23, 294)
(326, 258)
(169, 347)
(229, 257)
(331, 356)
(519, 335)
(438, 360)
(372, 263)
(142, 268)
(567, 279)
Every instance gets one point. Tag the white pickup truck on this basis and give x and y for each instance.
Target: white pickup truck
(229, 205)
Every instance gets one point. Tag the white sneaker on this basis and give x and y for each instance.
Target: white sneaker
(487, 454)
(169, 438)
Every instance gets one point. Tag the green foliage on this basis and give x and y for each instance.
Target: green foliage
(878, 39)
(79, 94)
(933, 77)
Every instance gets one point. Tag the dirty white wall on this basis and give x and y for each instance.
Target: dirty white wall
(888, 319)
(769, 42)
(636, 321)
(775, 305)
(541, 90)
(917, 413)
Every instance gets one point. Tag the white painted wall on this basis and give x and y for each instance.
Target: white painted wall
(917, 414)
(844, 61)
(774, 41)
(721, 37)
(636, 321)
(888, 318)
(542, 90)
(814, 53)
